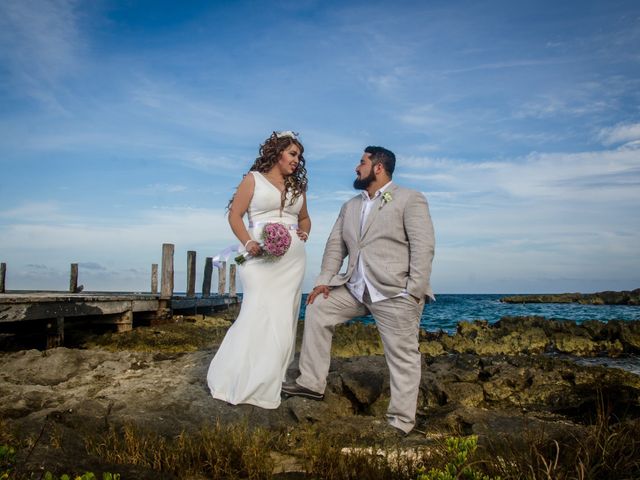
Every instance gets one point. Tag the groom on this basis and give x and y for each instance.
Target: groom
(388, 236)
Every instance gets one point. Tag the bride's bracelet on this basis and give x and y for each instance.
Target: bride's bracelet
(247, 242)
(306, 235)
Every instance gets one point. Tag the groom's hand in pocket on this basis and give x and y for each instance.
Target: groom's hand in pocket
(317, 290)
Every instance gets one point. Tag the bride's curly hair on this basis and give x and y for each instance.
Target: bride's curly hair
(294, 184)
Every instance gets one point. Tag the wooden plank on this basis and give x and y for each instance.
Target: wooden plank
(206, 281)
(145, 305)
(43, 310)
(51, 305)
(34, 297)
(13, 313)
(154, 278)
(184, 303)
(222, 278)
(3, 274)
(191, 273)
(166, 287)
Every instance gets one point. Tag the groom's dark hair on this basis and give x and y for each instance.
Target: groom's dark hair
(383, 156)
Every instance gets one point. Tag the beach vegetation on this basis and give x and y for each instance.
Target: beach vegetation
(609, 450)
(183, 334)
(232, 451)
(459, 462)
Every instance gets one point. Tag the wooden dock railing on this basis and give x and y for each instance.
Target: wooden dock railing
(118, 309)
(167, 283)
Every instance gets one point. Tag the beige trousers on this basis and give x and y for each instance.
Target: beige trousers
(398, 322)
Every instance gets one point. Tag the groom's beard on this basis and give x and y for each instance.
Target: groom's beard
(363, 183)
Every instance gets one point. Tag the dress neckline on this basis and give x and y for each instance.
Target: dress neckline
(270, 182)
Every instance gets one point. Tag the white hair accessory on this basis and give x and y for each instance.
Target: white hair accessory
(287, 133)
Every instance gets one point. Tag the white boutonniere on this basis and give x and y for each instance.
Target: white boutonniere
(386, 198)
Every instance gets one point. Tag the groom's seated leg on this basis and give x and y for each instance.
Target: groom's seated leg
(320, 320)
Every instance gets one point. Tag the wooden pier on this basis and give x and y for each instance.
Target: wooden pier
(47, 312)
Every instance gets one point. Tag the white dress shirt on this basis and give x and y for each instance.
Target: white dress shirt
(358, 281)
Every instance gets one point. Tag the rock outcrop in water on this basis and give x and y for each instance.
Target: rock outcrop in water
(599, 298)
(536, 335)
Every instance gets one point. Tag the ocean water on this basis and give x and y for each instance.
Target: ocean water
(448, 310)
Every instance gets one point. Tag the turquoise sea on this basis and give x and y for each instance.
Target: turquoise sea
(449, 309)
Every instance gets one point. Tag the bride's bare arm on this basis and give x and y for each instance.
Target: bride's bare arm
(239, 207)
(304, 221)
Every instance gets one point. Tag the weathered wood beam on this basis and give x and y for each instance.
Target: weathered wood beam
(3, 274)
(206, 281)
(125, 322)
(222, 278)
(12, 312)
(73, 280)
(191, 273)
(166, 287)
(232, 280)
(55, 332)
(154, 278)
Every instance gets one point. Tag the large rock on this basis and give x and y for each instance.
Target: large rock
(535, 335)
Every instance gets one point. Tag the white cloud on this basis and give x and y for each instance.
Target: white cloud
(209, 163)
(40, 253)
(108, 250)
(508, 64)
(555, 216)
(424, 116)
(621, 133)
(159, 188)
(583, 176)
(36, 212)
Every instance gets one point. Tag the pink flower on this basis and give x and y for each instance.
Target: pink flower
(276, 240)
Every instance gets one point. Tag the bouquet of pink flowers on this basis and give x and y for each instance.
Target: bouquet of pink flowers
(276, 240)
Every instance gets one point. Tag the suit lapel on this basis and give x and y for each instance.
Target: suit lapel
(375, 208)
(353, 219)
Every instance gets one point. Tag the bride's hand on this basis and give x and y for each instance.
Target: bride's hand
(253, 248)
(302, 235)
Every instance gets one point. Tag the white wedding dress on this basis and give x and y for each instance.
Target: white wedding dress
(251, 363)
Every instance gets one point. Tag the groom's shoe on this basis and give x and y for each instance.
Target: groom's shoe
(292, 389)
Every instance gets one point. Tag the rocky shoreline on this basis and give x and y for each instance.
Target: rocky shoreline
(625, 297)
(496, 381)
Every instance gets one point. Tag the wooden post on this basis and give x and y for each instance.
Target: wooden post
(222, 278)
(73, 281)
(125, 322)
(232, 280)
(191, 274)
(206, 281)
(154, 278)
(55, 332)
(166, 286)
(3, 273)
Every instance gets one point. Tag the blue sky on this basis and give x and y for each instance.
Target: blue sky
(128, 124)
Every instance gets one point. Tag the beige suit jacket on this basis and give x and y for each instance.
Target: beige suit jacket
(397, 244)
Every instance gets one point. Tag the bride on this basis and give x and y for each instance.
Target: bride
(251, 363)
